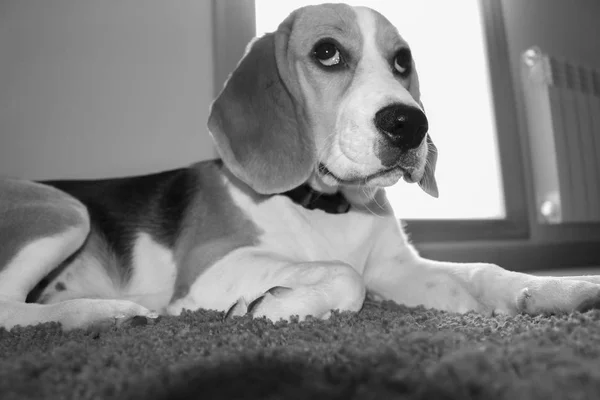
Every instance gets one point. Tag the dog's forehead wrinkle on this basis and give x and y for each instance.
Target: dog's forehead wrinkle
(379, 32)
(337, 17)
(371, 59)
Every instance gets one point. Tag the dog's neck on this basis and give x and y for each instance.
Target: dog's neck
(315, 194)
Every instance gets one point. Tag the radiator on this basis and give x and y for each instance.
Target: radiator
(562, 102)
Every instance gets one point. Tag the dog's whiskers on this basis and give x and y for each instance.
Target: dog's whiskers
(328, 144)
(371, 197)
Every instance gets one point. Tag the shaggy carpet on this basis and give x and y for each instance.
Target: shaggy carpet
(385, 351)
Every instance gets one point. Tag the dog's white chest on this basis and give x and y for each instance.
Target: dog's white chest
(309, 235)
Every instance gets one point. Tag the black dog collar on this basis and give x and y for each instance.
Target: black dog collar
(309, 198)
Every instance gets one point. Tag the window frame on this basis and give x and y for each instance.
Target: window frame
(516, 242)
(515, 224)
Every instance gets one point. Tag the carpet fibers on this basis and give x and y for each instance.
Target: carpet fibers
(385, 351)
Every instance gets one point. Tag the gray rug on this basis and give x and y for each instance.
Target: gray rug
(385, 351)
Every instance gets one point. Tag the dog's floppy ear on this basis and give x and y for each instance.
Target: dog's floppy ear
(258, 121)
(427, 182)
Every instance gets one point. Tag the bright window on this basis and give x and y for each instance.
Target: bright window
(447, 41)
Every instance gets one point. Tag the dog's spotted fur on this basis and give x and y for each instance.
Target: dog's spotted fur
(221, 234)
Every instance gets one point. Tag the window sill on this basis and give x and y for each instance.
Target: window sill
(464, 230)
(515, 255)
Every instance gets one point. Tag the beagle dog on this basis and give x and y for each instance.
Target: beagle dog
(292, 220)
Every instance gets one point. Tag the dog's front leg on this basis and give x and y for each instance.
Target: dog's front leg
(396, 272)
(484, 288)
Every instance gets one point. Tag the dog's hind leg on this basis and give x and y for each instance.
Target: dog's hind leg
(40, 227)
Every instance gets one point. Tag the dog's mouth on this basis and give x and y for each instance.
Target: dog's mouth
(394, 172)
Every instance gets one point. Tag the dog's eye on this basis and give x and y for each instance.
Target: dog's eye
(403, 62)
(327, 54)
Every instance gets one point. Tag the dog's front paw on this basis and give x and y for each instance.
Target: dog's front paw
(270, 305)
(557, 295)
(99, 314)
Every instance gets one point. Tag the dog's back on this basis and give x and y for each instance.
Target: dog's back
(139, 229)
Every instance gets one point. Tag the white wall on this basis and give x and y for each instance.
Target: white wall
(96, 88)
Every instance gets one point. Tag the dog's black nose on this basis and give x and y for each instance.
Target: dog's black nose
(403, 125)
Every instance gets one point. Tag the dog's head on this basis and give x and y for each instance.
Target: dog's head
(331, 97)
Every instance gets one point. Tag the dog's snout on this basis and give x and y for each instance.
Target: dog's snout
(405, 126)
